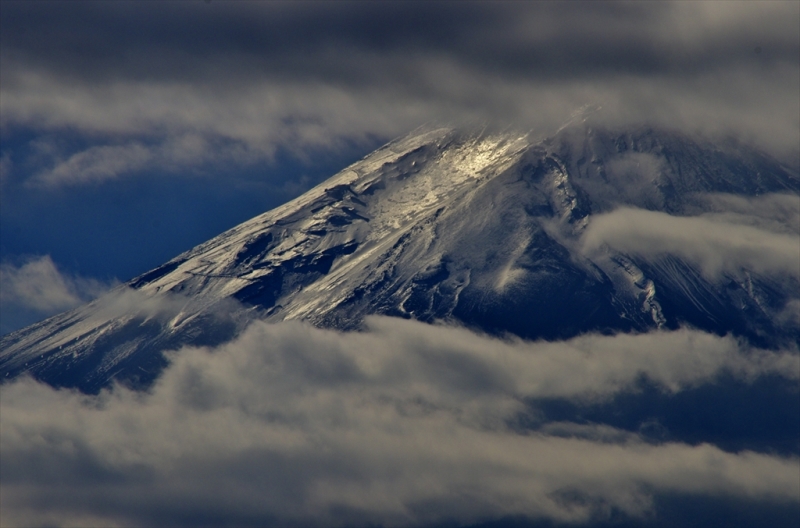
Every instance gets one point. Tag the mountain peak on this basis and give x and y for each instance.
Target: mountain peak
(473, 227)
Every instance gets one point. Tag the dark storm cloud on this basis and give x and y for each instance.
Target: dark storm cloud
(405, 424)
(555, 39)
(261, 76)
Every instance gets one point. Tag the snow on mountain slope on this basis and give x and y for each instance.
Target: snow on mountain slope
(479, 228)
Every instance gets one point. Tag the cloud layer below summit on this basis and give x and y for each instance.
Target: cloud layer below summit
(404, 424)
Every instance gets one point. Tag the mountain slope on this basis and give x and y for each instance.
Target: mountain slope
(469, 227)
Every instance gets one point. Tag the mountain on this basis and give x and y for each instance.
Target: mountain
(480, 228)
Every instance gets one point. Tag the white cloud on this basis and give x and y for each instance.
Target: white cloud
(403, 424)
(37, 284)
(716, 243)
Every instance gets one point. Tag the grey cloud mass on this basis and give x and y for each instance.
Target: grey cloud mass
(404, 424)
(264, 76)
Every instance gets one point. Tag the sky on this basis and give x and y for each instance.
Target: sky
(132, 131)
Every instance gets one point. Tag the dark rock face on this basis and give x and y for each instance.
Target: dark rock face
(477, 229)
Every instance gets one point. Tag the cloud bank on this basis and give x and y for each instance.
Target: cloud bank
(404, 424)
(253, 78)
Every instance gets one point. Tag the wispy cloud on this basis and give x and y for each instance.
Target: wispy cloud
(105, 162)
(716, 243)
(99, 163)
(38, 286)
(403, 424)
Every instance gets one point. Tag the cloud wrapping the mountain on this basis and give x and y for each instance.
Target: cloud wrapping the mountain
(265, 76)
(37, 289)
(403, 424)
(716, 243)
(778, 213)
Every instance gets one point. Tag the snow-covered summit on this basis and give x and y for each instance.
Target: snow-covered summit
(480, 228)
